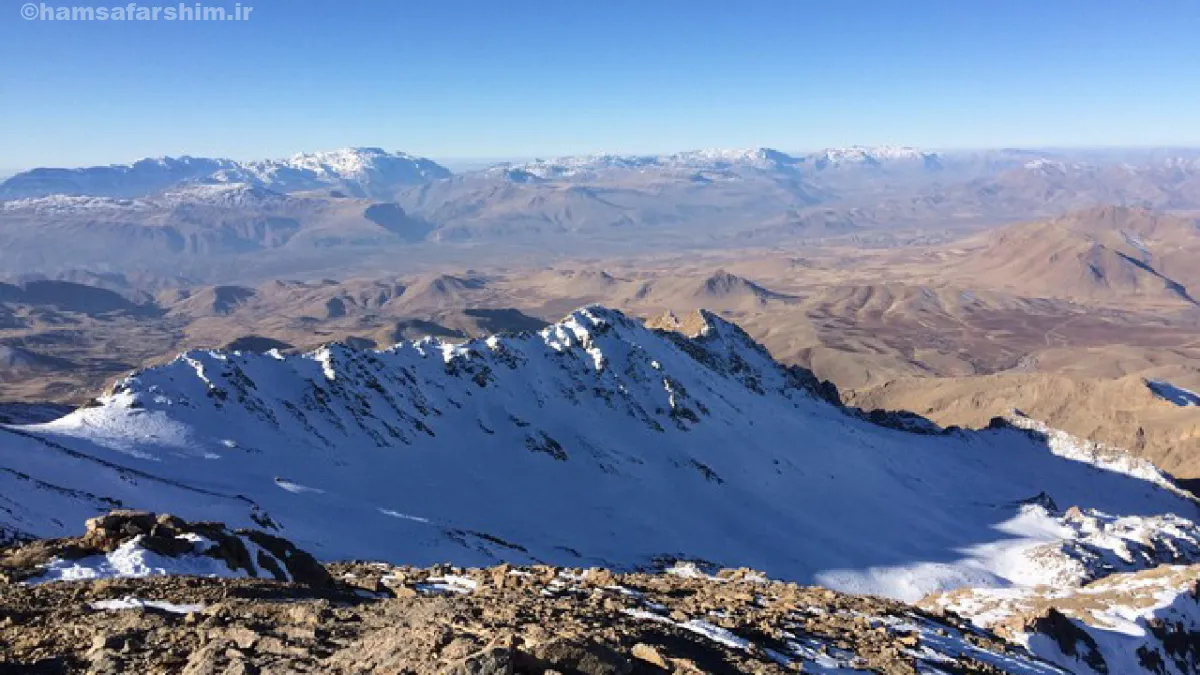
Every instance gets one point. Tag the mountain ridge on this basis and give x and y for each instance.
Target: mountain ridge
(1102, 253)
(363, 171)
(358, 167)
(519, 448)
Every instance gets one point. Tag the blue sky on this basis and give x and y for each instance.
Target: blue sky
(521, 79)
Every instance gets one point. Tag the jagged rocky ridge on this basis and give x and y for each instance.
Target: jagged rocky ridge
(375, 617)
(595, 442)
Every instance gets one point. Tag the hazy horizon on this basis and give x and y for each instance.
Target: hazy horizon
(465, 164)
(484, 80)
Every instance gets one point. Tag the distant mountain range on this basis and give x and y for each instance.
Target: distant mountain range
(336, 209)
(373, 172)
(764, 159)
(359, 172)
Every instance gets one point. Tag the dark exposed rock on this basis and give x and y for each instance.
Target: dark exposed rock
(577, 657)
(1071, 639)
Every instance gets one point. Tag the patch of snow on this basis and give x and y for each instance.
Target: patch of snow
(130, 602)
(296, 488)
(132, 560)
(823, 658)
(403, 516)
(688, 569)
(716, 634)
(449, 583)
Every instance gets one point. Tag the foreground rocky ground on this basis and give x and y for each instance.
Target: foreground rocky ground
(275, 610)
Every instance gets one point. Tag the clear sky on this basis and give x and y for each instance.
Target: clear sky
(501, 78)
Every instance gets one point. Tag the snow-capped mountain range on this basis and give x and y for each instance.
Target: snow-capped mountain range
(595, 441)
(761, 159)
(225, 195)
(576, 166)
(694, 199)
(878, 156)
(374, 172)
(359, 172)
(143, 177)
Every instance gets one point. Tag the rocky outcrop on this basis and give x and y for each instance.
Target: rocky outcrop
(136, 535)
(1146, 621)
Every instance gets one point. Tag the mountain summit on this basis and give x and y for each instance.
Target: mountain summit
(359, 172)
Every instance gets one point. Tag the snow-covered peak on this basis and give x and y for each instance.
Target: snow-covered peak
(357, 164)
(358, 171)
(573, 165)
(165, 162)
(350, 162)
(361, 172)
(224, 195)
(859, 155)
(752, 156)
(1047, 167)
(688, 161)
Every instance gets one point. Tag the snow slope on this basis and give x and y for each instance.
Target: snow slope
(594, 442)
